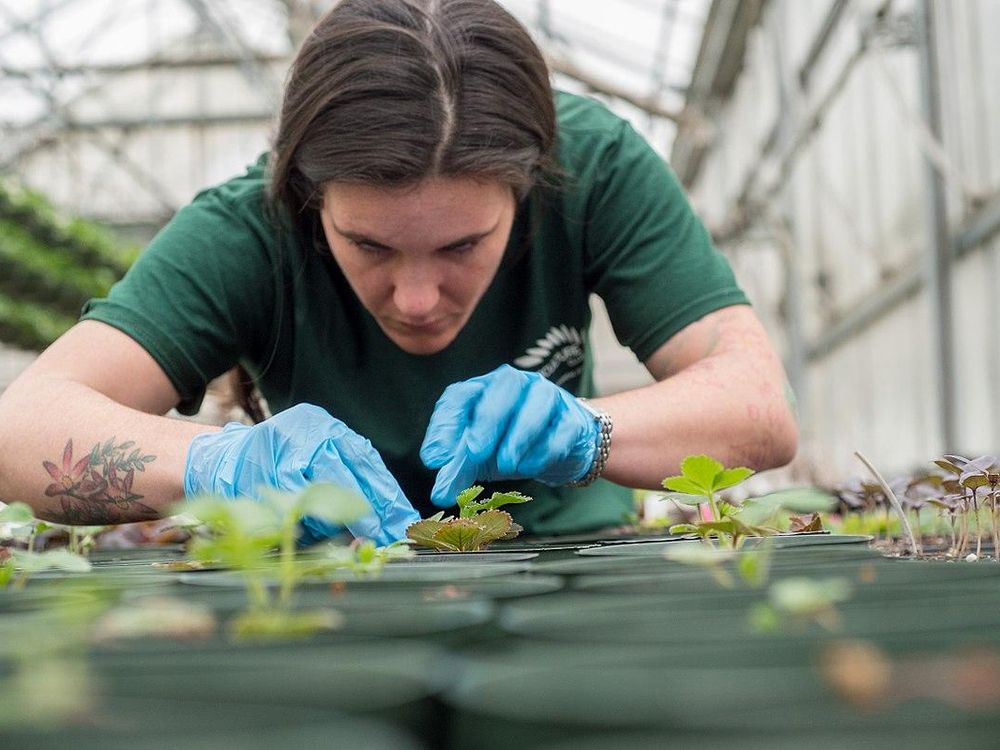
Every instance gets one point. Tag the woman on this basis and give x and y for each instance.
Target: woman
(406, 277)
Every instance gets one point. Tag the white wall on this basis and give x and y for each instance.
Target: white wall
(854, 198)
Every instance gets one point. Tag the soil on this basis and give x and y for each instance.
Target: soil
(933, 548)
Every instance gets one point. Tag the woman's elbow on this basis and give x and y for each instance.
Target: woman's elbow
(779, 443)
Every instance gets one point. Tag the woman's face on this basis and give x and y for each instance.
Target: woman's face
(419, 257)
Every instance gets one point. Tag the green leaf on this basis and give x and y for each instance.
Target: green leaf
(281, 504)
(800, 500)
(754, 567)
(500, 499)
(975, 481)
(17, 513)
(63, 559)
(512, 533)
(332, 504)
(467, 495)
(807, 596)
(702, 470)
(683, 528)
(728, 509)
(240, 516)
(685, 486)
(461, 535)
(58, 559)
(366, 552)
(729, 525)
(6, 573)
(682, 497)
(730, 477)
(755, 513)
(763, 618)
(496, 524)
(948, 466)
(422, 532)
(496, 500)
(698, 554)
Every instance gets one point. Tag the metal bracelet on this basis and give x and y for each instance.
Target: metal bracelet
(603, 447)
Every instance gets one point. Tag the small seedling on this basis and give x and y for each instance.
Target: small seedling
(699, 483)
(363, 558)
(479, 523)
(794, 603)
(244, 534)
(750, 568)
(19, 564)
(966, 497)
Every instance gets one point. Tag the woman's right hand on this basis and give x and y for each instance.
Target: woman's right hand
(299, 446)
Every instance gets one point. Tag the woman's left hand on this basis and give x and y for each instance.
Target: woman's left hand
(507, 424)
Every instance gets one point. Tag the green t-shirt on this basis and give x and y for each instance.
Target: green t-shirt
(222, 284)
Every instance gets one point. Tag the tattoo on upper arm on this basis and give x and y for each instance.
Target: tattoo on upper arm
(98, 488)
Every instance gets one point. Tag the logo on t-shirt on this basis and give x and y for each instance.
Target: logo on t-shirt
(558, 355)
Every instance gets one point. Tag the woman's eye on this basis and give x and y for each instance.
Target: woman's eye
(368, 247)
(459, 249)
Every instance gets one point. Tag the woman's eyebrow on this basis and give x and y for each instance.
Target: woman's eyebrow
(359, 237)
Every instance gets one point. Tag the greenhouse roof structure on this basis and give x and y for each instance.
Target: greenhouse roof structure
(100, 90)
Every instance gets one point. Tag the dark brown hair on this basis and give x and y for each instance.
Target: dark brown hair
(390, 92)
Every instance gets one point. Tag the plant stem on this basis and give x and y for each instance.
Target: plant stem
(963, 534)
(287, 561)
(895, 503)
(993, 524)
(714, 506)
(979, 530)
(257, 590)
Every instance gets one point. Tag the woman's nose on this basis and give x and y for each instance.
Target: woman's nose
(416, 292)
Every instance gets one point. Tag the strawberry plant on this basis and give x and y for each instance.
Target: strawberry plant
(243, 535)
(700, 481)
(479, 523)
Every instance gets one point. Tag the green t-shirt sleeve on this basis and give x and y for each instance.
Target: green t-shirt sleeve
(647, 255)
(200, 296)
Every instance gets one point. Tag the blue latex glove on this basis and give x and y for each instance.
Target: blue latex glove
(507, 424)
(292, 449)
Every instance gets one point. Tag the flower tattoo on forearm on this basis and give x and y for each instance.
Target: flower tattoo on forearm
(98, 488)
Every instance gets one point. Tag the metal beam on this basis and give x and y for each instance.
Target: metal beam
(658, 74)
(568, 69)
(719, 60)
(19, 26)
(820, 41)
(974, 234)
(810, 122)
(257, 76)
(250, 117)
(938, 256)
(137, 66)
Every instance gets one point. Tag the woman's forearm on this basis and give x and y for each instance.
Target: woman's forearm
(655, 427)
(722, 391)
(78, 457)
